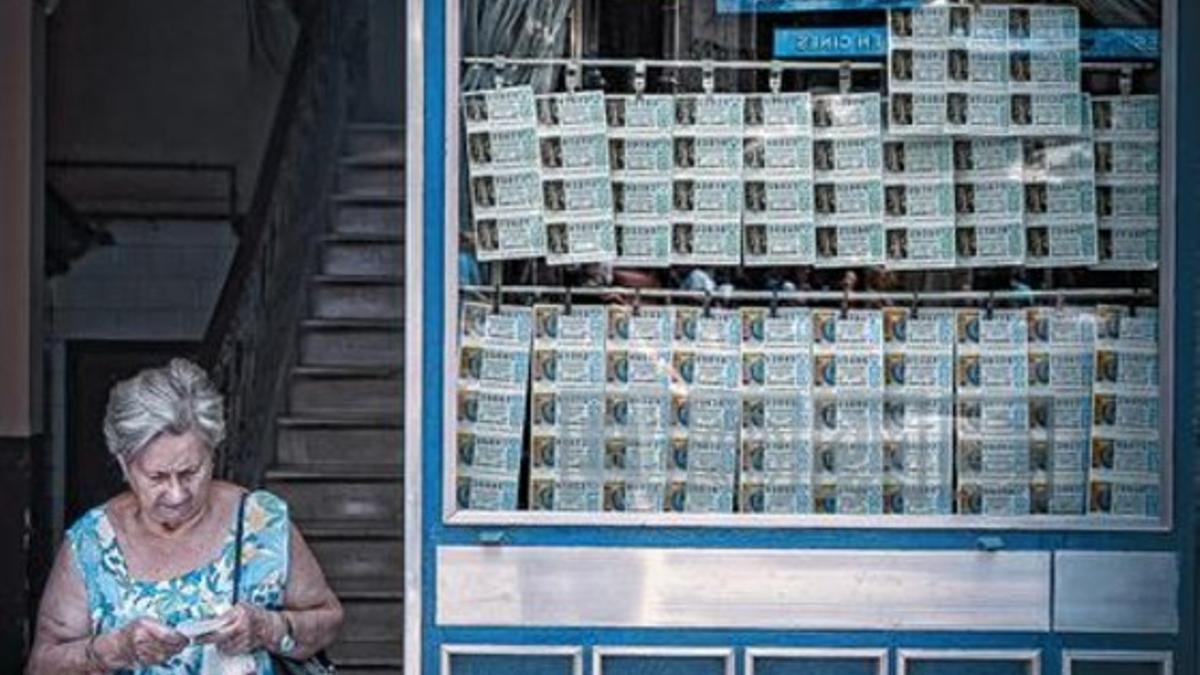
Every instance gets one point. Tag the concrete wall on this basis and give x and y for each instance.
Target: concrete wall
(164, 80)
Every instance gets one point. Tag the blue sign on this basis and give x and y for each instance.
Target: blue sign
(1120, 43)
(778, 6)
(825, 43)
(1105, 44)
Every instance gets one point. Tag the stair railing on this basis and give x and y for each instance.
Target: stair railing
(251, 340)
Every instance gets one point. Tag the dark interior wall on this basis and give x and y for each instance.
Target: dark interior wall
(167, 80)
(16, 476)
(385, 62)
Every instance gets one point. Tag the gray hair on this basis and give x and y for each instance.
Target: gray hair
(176, 398)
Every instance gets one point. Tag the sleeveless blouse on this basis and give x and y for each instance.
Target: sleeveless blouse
(115, 598)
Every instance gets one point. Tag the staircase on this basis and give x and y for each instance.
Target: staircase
(340, 445)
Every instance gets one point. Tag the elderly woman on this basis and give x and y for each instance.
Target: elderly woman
(144, 583)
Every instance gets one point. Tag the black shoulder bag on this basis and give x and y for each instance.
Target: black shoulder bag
(317, 664)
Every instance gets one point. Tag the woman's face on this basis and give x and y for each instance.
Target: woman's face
(171, 478)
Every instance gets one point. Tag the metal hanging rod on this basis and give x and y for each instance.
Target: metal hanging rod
(899, 297)
(503, 61)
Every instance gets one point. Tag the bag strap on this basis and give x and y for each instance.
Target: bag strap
(237, 550)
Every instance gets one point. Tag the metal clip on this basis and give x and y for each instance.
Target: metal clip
(775, 78)
(1125, 80)
(639, 77)
(567, 301)
(990, 307)
(916, 305)
(708, 77)
(497, 289)
(846, 302)
(500, 64)
(774, 303)
(573, 76)
(844, 77)
(1060, 301)
(707, 303)
(637, 301)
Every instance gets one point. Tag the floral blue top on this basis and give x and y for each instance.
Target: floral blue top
(115, 598)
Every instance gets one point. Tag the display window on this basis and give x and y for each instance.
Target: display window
(739, 264)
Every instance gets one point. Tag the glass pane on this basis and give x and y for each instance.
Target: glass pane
(815, 666)
(1079, 667)
(968, 667)
(497, 664)
(662, 665)
(708, 269)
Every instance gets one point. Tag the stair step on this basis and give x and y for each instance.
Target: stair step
(373, 621)
(350, 218)
(362, 258)
(333, 444)
(345, 297)
(356, 502)
(346, 472)
(366, 138)
(383, 157)
(318, 390)
(367, 588)
(351, 343)
(354, 653)
(381, 197)
(360, 560)
(340, 421)
(371, 177)
(392, 238)
(345, 530)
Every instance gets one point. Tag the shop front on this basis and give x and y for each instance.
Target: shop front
(831, 336)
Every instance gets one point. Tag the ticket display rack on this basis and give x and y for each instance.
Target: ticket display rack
(860, 345)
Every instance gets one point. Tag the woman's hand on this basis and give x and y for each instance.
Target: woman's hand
(145, 642)
(246, 628)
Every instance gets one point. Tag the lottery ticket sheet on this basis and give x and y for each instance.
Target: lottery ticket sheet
(1061, 353)
(988, 202)
(641, 157)
(577, 194)
(777, 409)
(707, 194)
(1060, 202)
(848, 398)
(1126, 134)
(847, 180)
(1126, 451)
(991, 377)
(918, 410)
(918, 184)
(705, 410)
(493, 374)
(637, 409)
(567, 408)
(778, 170)
(504, 173)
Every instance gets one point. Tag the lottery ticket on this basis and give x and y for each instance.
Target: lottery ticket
(846, 115)
(918, 351)
(579, 240)
(1062, 244)
(641, 156)
(582, 111)
(706, 242)
(499, 237)
(990, 244)
(1051, 159)
(1136, 160)
(774, 496)
(850, 245)
(849, 157)
(710, 112)
(849, 498)
(645, 199)
(777, 197)
(574, 155)
(703, 155)
(916, 202)
(978, 113)
(1059, 494)
(780, 242)
(917, 113)
(639, 115)
(1128, 246)
(1126, 117)
(789, 155)
(1123, 202)
(917, 67)
(918, 158)
(976, 158)
(996, 498)
(1047, 114)
(642, 243)
(788, 114)
(486, 493)
(565, 494)
(497, 149)
(644, 494)
(978, 68)
(1044, 69)
(1130, 497)
(920, 246)
(499, 108)
(983, 200)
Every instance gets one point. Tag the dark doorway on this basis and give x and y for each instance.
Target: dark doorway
(93, 367)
